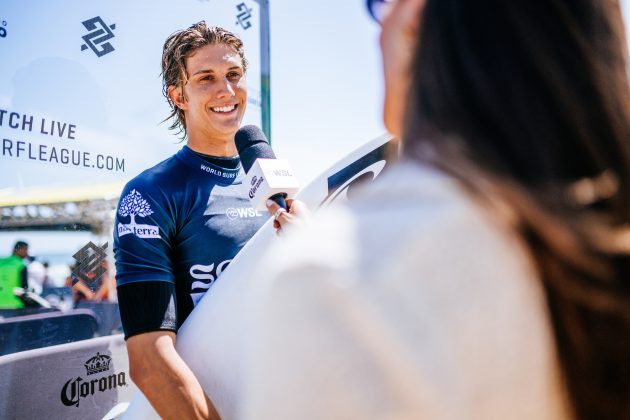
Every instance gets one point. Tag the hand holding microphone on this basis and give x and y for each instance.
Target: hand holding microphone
(271, 182)
(296, 214)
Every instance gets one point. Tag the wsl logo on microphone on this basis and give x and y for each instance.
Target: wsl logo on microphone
(255, 185)
(281, 172)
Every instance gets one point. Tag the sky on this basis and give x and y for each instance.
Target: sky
(326, 83)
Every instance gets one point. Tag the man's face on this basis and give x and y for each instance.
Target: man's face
(22, 251)
(215, 95)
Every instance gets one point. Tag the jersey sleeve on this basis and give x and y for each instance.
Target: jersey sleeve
(147, 306)
(143, 232)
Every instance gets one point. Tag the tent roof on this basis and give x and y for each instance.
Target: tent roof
(59, 194)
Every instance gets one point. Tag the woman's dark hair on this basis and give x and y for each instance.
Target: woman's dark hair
(532, 97)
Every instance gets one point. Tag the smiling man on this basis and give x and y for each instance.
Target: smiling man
(176, 229)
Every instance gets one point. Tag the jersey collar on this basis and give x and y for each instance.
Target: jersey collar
(223, 175)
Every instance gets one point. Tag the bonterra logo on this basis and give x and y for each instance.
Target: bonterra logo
(134, 205)
(76, 389)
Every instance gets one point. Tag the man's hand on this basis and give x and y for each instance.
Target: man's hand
(165, 379)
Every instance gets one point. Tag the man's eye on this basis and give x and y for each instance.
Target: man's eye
(204, 78)
(234, 75)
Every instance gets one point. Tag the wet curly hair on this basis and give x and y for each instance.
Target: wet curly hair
(181, 45)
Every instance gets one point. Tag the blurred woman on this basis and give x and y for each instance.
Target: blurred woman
(487, 275)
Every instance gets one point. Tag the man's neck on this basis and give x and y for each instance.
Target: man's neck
(213, 147)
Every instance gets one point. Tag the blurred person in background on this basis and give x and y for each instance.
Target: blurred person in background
(486, 275)
(36, 275)
(98, 289)
(13, 273)
(48, 281)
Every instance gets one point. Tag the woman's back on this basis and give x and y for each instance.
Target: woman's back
(411, 303)
(526, 106)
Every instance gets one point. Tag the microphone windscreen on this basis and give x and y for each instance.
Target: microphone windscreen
(252, 144)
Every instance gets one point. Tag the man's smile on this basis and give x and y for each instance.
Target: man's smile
(225, 109)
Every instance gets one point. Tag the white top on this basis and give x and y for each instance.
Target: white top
(409, 303)
(36, 275)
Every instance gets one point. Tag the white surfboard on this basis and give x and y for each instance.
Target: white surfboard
(211, 340)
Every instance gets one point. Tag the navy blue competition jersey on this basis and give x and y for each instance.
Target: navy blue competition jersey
(182, 222)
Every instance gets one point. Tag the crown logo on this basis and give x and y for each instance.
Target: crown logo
(98, 363)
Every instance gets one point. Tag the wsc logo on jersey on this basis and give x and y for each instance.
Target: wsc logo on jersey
(99, 34)
(241, 213)
(134, 205)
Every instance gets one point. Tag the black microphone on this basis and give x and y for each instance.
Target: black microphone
(265, 176)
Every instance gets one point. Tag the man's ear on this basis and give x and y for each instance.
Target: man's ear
(177, 96)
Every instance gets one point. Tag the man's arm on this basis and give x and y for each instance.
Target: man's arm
(103, 291)
(148, 304)
(165, 379)
(79, 286)
(149, 316)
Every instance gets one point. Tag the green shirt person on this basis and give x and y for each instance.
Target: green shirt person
(13, 274)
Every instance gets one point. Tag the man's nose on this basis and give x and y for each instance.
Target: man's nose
(225, 88)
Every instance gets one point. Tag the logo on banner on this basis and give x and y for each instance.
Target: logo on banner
(78, 388)
(89, 267)
(3, 31)
(244, 15)
(134, 205)
(98, 36)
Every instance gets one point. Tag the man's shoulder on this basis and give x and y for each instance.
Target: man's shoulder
(154, 188)
(170, 169)
(12, 260)
(168, 175)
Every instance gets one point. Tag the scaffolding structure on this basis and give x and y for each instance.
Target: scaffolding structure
(86, 208)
